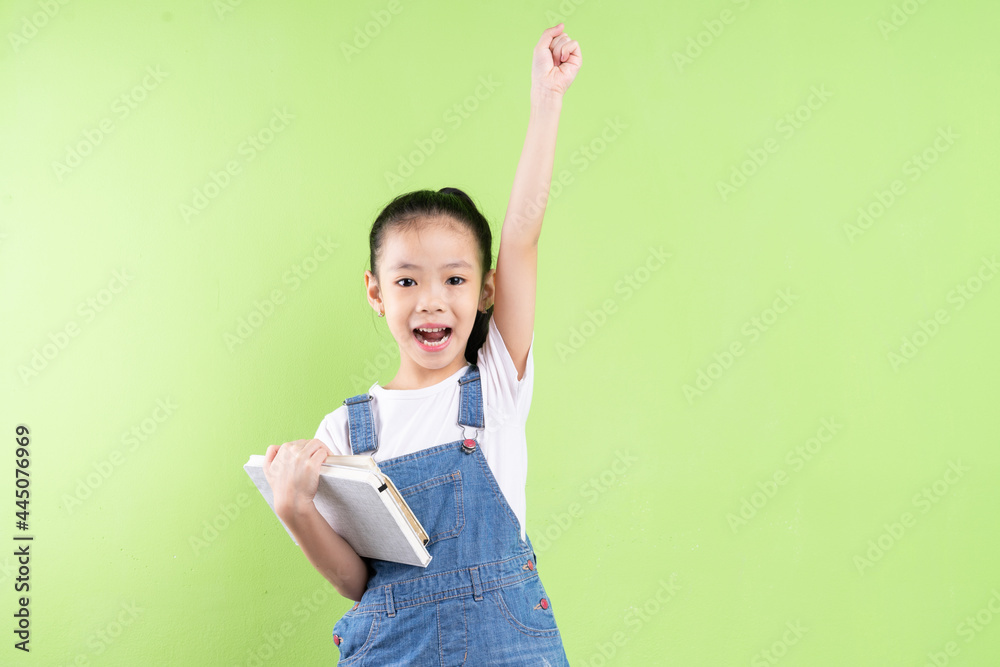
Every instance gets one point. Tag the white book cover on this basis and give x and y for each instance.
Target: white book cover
(362, 506)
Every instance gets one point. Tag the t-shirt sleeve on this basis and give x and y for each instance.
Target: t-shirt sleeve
(507, 394)
(333, 431)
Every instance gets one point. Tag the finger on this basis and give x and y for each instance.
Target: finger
(314, 453)
(568, 49)
(270, 462)
(573, 54)
(323, 446)
(318, 457)
(295, 447)
(559, 48)
(559, 40)
(548, 35)
(309, 447)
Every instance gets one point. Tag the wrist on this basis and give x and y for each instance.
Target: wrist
(545, 98)
(295, 512)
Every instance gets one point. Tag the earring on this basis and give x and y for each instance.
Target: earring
(381, 313)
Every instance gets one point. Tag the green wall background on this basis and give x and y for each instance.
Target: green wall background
(764, 425)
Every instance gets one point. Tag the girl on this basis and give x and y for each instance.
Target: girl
(465, 380)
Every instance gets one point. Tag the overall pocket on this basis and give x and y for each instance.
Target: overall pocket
(437, 504)
(354, 634)
(526, 607)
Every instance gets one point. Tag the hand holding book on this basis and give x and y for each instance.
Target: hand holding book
(292, 471)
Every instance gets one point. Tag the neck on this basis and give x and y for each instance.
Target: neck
(413, 376)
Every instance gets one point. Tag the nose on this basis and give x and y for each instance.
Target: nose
(431, 298)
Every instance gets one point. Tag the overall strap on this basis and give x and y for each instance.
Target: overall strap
(362, 424)
(359, 417)
(470, 413)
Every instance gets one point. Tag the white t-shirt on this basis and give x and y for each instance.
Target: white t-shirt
(409, 420)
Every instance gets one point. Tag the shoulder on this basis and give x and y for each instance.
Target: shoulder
(335, 428)
(501, 385)
(495, 355)
(334, 431)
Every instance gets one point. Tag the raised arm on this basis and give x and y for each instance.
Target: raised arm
(555, 63)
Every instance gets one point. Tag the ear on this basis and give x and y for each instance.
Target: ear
(372, 288)
(489, 290)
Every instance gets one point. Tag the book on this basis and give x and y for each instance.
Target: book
(362, 505)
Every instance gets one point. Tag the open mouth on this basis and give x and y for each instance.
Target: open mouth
(433, 337)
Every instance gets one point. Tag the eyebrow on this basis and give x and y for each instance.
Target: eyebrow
(459, 264)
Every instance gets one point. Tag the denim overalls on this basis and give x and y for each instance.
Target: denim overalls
(480, 600)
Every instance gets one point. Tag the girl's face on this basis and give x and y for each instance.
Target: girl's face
(429, 278)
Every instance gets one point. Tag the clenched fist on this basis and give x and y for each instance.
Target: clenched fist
(555, 62)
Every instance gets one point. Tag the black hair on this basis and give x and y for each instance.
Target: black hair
(406, 210)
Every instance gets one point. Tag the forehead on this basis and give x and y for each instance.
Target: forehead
(429, 245)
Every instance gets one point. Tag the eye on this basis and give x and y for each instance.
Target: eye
(457, 278)
(402, 279)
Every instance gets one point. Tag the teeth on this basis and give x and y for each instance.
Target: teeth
(432, 330)
(435, 344)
